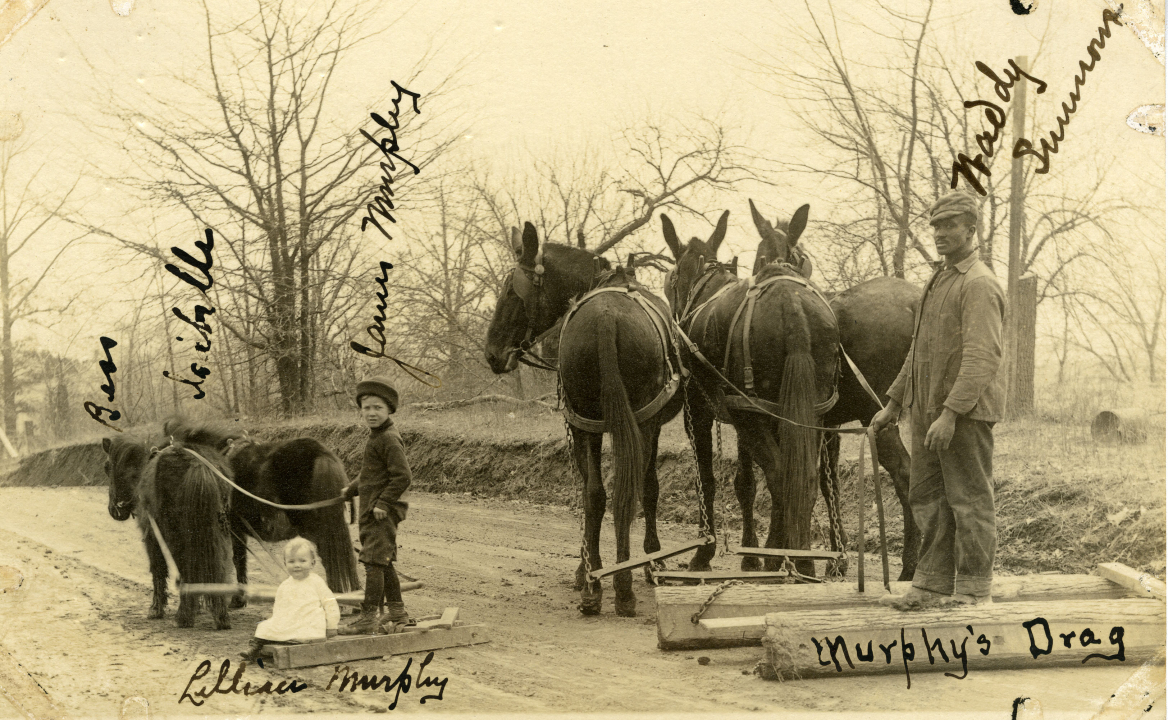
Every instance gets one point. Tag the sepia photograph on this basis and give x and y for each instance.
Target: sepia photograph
(769, 359)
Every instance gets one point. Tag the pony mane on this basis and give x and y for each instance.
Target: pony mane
(190, 433)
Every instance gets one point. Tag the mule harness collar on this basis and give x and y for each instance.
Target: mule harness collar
(747, 400)
(669, 347)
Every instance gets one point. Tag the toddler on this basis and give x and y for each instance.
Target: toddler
(305, 609)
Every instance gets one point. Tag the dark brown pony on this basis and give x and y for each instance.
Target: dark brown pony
(295, 472)
(793, 346)
(189, 504)
(876, 326)
(612, 363)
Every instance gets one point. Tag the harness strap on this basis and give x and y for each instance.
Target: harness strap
(310, 506)
(664, 326)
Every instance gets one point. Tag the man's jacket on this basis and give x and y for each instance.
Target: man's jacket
(957, 347)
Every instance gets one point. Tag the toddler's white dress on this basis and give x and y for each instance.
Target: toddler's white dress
(303, 610)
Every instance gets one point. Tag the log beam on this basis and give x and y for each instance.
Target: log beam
(962, 639)
(676, 605)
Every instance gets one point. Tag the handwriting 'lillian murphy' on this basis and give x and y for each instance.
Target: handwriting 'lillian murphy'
(965, 166)
(350, 680)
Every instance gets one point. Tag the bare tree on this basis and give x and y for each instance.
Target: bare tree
(257, 153)
(24, 216)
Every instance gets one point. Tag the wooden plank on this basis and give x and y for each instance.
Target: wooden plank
(449, 616)
(1140, 583)
(676, 605)
(1020, 635)
(780, 552)
(375, 646)
(696, 576)
(267, 593)
(646, 559)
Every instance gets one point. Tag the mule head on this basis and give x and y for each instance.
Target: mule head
(780, 242)
(691, 259)
(536, 292)
(123, 465)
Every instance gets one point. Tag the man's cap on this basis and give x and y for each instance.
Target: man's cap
(957, 202)
(379, 387)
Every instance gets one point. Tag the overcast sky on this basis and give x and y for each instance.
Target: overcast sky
(540, 75)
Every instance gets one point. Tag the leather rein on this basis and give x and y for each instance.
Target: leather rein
(747, 400)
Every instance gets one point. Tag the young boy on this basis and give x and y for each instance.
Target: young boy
(383, 484)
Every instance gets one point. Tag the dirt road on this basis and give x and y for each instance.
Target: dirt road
(78, 624)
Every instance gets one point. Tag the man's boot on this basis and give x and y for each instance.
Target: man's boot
(395, 617)
(365, 624)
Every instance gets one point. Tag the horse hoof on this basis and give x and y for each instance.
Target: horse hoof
(190, 622)
(698, 566)
(580, 577)
(588, 607)
(627, 609)
(905, 576)
(223, 625)
(751, 564)
(238, 602)
(155, 613)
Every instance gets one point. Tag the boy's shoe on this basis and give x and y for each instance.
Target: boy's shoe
(395, 618)
(365, 624)
(253, 650)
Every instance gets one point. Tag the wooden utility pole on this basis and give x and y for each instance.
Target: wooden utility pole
(1021, 293)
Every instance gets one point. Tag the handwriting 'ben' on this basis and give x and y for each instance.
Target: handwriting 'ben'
(951, 384)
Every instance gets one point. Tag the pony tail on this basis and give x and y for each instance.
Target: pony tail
(798, 460)
(627, 445)
(327, 527)
(201, 504)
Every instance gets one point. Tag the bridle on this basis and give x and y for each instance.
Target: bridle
(527, 284)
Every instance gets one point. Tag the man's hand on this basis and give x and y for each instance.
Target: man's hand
(886, 416)
(941, 431)
(380, 514)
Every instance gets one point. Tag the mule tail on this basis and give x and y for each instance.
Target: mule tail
(798, 456)
(627, 447)
(201, 543)
(327, 526)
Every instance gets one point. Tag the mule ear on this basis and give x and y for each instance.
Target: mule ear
(670, 236)
(530, 244)
(797, 225)
(719, 234)
(516, 242)
(760, 223)
(105, 444)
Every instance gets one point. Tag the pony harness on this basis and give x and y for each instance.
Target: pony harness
(669, 347)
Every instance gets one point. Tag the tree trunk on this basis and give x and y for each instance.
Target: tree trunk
(7, 369)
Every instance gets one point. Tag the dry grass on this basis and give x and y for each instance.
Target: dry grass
(1065, 502)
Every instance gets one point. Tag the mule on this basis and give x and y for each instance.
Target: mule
(876, 328)
(189, 504)
(619, 372)
(780, 355)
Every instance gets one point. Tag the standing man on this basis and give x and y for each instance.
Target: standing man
(951, 384)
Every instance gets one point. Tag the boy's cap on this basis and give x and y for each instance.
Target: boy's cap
(379, 387)
(957, 202)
